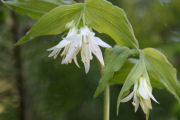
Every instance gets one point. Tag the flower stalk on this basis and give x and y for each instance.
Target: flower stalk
(106, 103)
(106, 99)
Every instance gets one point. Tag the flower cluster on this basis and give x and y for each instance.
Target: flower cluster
(77, 40)
(141, 94)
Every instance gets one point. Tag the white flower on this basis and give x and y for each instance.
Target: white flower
(142, 95)
(83, 40)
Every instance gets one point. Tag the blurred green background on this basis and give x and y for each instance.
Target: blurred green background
(35, 87)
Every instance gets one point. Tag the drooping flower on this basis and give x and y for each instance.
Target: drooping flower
(141, 94)
(77, 40)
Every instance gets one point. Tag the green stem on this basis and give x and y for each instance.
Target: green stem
(106, 103)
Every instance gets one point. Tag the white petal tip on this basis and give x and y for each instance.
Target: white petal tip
(63, 62)
(156, 101)
(109, 46)
(102, 64)
(78, 65)
(128, 98)
(86, 71)
(50, 49)
(50, 55)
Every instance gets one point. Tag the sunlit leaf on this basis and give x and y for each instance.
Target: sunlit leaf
(53, 22)
(114, 60)
(99, 14)
(132, 77)
(35, 8)
(162, 71)
(121, 75)
(112, 20)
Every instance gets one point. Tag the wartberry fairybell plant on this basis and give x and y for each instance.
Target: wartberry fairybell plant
(81, 38)
(141, 94)
(77, 40)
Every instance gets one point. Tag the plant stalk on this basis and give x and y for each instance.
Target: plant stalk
(106, 99)
(106, 103)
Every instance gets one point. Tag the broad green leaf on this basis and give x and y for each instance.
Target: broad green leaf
(132, 77)
(112, 20)
(99, 14)
(114, 60)
(120, 76)
(35, 8)
(162, 71)
(53, 22)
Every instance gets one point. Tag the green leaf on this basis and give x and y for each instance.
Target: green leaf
(114, 60)
(132, 77)
(120, 76)
(162, 72)
(147, 115)
(35, 8)
(53, 22)
(99, 14)
(112, 20)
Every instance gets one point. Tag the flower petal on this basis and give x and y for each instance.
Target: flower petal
(101, 43)
(63, 43)
(54, 52)
(86, 55)
(142, 91)
(148, 103)
(65, 50)
(129, 97)
(135, 86)
(135, 102)
(149, 91)
(76, 62)
(73, 49)
(72, 31)
(97, 52)
(87, 66)
(143, 106)
(85, 31)
(50, 49)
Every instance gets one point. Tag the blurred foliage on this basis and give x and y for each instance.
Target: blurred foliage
(8, 93)
(64, 92)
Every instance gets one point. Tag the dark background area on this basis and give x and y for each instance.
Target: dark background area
(35, 87)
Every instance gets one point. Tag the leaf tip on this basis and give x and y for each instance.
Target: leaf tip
(23, 40)
(118, 104)
(96, 93)
(147, 115)
(19, 42)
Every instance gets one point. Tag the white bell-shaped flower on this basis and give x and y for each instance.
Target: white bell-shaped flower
(90, 45)
(141, 94)
(83, 40)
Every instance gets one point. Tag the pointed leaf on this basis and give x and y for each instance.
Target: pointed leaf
(112, 20)
(53, 22)
(162, 72)
(147, 115)
(114, 60)
(35, 8)
(132, 77)
(121, 75)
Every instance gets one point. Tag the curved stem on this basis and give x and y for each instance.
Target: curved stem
(106, 103)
